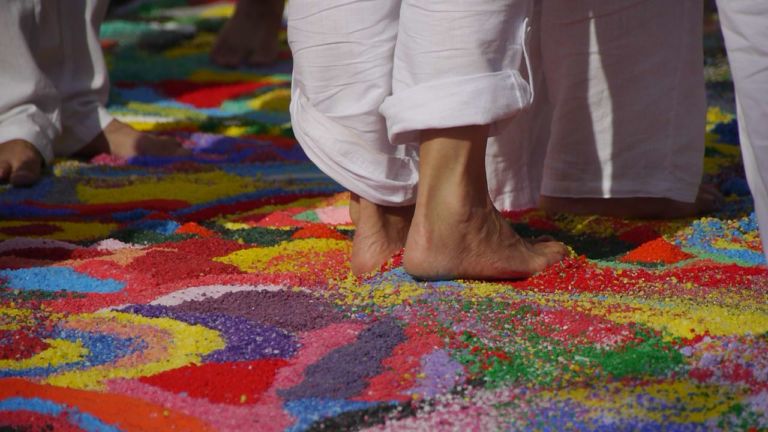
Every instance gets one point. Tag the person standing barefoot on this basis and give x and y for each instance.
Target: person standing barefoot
(456, 230)
(251, 36)
(396, 102)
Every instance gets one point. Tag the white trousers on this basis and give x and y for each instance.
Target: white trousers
(624, 98)
(745, 28)
(618, 112)
(53, 80)
(620, 104)
(370, 74)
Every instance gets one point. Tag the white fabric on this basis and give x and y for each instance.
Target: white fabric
(623, 106)
(53, 80)
(745, 28)
(618, 112)
(369, 74)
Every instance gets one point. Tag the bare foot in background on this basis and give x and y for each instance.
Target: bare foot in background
(251, 36)
(20, 163)
(122, 140)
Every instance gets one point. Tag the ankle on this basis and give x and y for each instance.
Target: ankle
(452, 170)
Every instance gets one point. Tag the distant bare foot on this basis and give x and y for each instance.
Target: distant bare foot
(456, 231)
(379, 233)
(708, 200)
(20, 163)
(121, 140)
(251, 36)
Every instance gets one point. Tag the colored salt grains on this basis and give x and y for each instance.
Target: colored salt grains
(212, 291)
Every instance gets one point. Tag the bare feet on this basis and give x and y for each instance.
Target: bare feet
(124, 141)
(380, 232)
(708, 200)
(456, 231)
(20, 163)
(251, 36)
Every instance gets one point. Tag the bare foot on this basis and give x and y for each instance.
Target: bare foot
(121, 140)
(473, 243)
(20, 163)
(456, 231)
(251, 36)
(380, 232)
(708, 200)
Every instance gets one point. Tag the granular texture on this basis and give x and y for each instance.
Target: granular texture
(212, 291)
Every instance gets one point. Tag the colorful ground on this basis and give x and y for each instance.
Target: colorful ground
(213, 292)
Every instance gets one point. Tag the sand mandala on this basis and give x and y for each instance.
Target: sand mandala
(213, 291)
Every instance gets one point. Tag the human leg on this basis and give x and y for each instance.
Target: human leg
(29, 104)
(342, 72)
(456, 231)
(251, 36)
(515, 156)
(455, 77)
(628, 109)
(745, 29)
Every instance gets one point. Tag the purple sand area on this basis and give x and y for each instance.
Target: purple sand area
(293, 311)
(245, 339)
(344, 372)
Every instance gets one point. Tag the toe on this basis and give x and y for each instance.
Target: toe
(26, 173)
(262, 57)
(24, 178)
(225, 53)
(5, 171)
(224, 60)
(552, 251)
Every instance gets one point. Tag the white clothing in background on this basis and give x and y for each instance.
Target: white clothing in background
(627, 104)
(53, 80)
(745, 28)
(370, 74)
(618, 112)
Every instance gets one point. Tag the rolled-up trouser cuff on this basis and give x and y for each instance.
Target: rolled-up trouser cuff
(30, 128)
(469, 100)
(382, 178)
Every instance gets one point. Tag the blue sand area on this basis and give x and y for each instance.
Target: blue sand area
(80, 419)
(57, 279)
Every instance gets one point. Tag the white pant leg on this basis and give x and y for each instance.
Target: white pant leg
(78, 71)
(342, 53)
(626, 86)
(515, 157)
(745, 28)
(456, 64)
(29, 103)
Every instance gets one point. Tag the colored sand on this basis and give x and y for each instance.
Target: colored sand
(212, 291)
